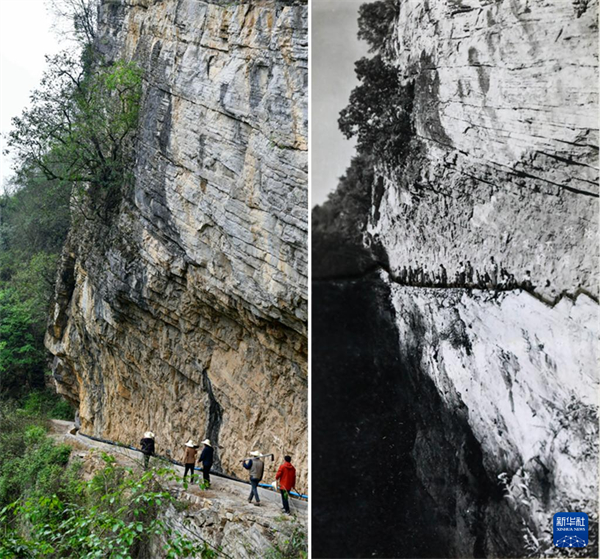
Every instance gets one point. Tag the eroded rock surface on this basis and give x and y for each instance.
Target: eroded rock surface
(502, 171)
(484, 236)
(490, 232)
(522, 378)
(186, 314)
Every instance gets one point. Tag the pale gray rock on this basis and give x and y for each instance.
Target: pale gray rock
(187, 313)
(504, 158)
(524, 377)
(490, 231)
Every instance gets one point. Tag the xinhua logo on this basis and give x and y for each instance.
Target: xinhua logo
(570, 529)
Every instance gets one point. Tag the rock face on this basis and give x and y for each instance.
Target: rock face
(186, 314)
(522, 378)
(233, 529)
(486, 239)
(503, 163)
(490, 232)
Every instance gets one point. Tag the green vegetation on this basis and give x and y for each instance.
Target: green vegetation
(48, 510)
(339, 224)
(30, 464)
(73, 153)
(79, 128)
(45, 403)
(34, 219)
(204, 484)
(294, 547)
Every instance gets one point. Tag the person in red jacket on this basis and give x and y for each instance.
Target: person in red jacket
(286, 481)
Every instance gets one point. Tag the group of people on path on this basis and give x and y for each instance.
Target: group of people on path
(206, 459)
(285, 479)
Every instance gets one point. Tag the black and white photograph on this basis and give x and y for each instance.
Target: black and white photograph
(454, 304)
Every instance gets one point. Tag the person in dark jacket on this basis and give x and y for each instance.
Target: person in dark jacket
(257, 468)
(207, 458)
(147, 446)
(189, 459)
(286, 481)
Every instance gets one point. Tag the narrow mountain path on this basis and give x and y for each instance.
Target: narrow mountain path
(227, 498)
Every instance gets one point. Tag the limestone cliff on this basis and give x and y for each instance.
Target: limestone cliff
(486, 243)
(186, 313)
(504, 149)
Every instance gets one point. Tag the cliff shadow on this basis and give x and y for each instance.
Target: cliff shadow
(367, 498)
(395, 472)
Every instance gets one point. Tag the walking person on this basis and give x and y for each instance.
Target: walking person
(286, 481)
(147, 446)
(189, 460)
(257, 468)
(206, 458)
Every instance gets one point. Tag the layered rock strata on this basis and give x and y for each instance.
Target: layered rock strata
(485, 240)
(490, 232)
(186, 314)
(501, 183)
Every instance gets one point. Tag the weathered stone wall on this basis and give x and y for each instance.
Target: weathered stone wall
(502, 172)
(186, 314)
(490, 234)
(523, 377)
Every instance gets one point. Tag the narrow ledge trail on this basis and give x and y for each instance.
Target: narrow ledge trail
(229, 495)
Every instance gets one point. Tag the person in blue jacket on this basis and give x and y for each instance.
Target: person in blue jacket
(206, 459)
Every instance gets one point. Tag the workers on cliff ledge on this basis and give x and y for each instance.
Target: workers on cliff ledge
(206, 459)
(147, 446)
(286, 481)
(256, 469)
(189, 459)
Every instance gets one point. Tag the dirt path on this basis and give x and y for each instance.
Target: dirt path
(220, 516)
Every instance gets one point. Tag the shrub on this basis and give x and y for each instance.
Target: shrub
(47, 404)
(293, 547)
(47, 510)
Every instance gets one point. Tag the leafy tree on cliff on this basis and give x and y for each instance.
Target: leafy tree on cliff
(378, 115)
(78, 19)
(80, 126)
(378, 112)
(375, 23)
